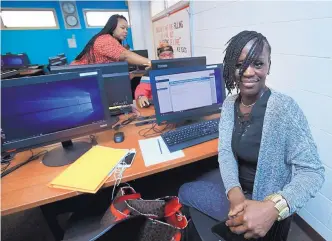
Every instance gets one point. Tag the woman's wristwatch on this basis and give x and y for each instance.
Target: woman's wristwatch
(280, 204)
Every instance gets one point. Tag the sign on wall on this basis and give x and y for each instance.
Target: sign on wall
(175, 30)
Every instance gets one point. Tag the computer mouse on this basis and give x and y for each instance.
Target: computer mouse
(146, 105)
(119, 137)
(150, 103)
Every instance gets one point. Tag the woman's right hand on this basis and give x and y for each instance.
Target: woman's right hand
(236, 199)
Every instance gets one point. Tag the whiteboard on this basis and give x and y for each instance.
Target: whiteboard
(174, 29)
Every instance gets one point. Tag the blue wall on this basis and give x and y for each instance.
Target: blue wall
(42, 44)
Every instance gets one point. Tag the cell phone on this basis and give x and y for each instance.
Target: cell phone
(129, 159)
(223, 232)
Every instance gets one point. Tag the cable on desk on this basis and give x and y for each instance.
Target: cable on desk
(127, 121)
(31, 158)
(6, 159)
(4, 166)
(156, 132)
(138, 113)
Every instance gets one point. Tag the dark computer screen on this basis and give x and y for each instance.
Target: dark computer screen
(34, 109)
(178, 63)
(117, 83)
(14, 61)
(187, 93)
(143, 53)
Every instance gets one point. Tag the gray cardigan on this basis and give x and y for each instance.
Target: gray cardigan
(288, 162)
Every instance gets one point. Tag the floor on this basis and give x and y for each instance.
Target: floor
(30, 224)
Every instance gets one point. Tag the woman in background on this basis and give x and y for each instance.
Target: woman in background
(106, 46)
(268, 160)
(143, 90)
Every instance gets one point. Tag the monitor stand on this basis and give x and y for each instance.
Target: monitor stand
(65, 154)
(113, 121)
(189, 121)
(70, 151)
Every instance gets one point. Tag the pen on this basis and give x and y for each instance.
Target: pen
(159, 147)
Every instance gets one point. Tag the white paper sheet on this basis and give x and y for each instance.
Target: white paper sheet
(72, 43)
(152, 154)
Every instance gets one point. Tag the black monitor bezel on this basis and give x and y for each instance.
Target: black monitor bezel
(179, 117)
(116, 65)
(26, 61)
(178, 62)
(120, 69)
(145, 51)
(63, 135)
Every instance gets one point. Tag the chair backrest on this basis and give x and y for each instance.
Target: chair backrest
(203, 224)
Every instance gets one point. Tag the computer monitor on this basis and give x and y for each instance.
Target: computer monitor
(117, 83)
(42, 110)
(14, 61)
(177, 63)
(144, 53)
(187, 93)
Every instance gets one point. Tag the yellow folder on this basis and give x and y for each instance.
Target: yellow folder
(90, 171)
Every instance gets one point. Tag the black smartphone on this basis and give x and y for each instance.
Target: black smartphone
(223, 232)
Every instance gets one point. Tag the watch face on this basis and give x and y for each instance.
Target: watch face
(68, 7)
(71, 21)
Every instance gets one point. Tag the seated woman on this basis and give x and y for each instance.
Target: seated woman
(143, 90)
(106, 46)
(268, 161)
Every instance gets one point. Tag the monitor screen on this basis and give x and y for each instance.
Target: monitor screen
(187, 93)
(45, 109)
(117, 83)
(143, 53)
(178, 63)
(14, 61)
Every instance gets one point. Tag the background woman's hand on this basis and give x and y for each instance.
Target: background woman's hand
(256, 220)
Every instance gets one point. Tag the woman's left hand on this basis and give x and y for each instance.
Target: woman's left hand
(256, 221)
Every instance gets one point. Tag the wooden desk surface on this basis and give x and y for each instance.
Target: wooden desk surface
(26, 187)
(30, 72)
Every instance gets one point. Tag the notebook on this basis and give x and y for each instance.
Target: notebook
(89, 172)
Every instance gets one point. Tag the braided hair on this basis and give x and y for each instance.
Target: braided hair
(233, 52)
(109, 28)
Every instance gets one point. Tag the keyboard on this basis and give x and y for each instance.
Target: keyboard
(191, 135)
(121, 110)
(9, 74)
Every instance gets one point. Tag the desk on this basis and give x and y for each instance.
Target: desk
(27, 188)
(30, 72)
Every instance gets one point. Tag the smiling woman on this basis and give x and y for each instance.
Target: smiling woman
(268, 160)
(106, 46)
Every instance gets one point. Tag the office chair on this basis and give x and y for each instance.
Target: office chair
(203, 225)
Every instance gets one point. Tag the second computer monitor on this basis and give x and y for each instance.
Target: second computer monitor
(178, 63)
(187, 93)
(14, 61)
(116, 80)
(144, 53)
